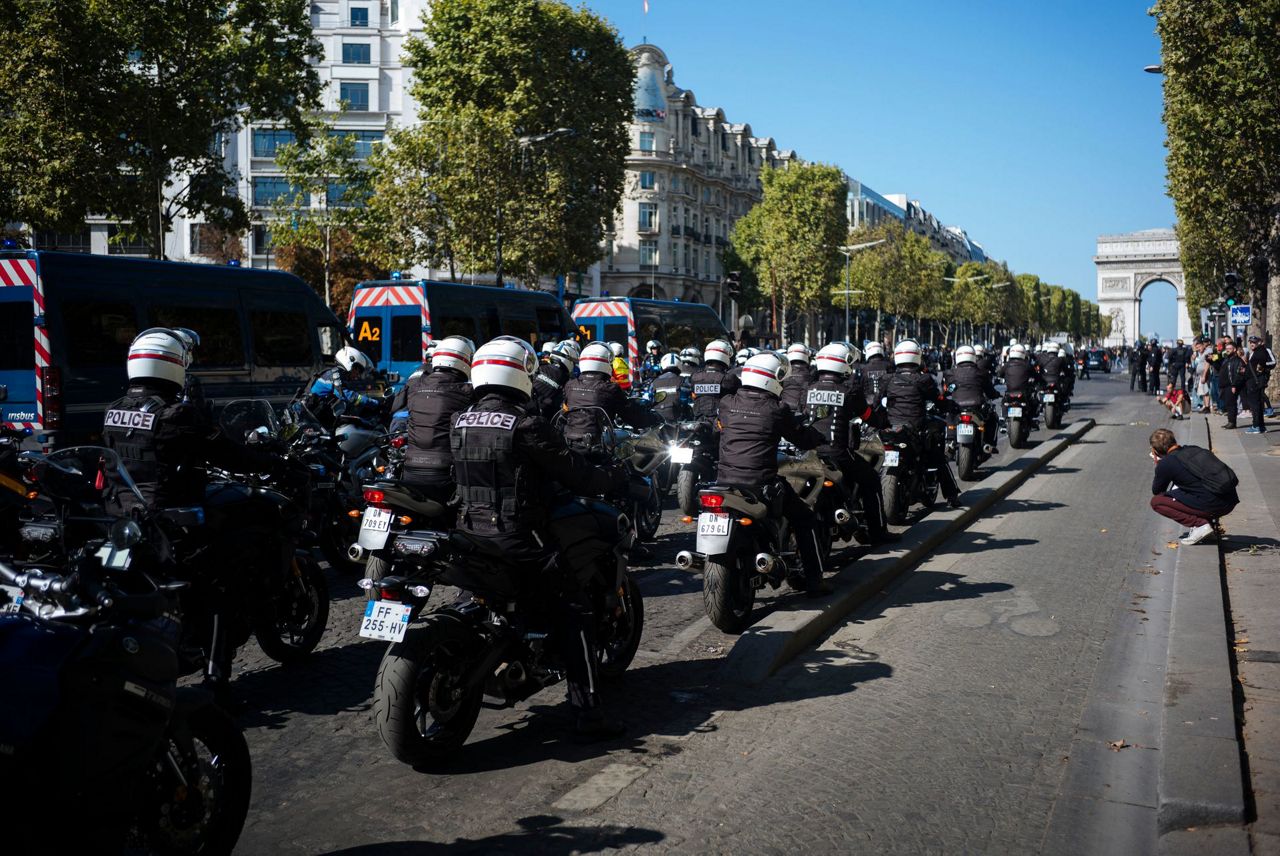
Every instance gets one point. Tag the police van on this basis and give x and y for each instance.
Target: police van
(632, 321)
(394, 320)
(67, 319)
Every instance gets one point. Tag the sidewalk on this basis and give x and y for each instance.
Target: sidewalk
(1251, 555)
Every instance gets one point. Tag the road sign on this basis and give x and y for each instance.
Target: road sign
(1241, 315)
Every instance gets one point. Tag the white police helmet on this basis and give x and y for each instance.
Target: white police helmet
(979, 349)
(907, 352)
(669, 362)
(718, 351)
(966, 354)
(453, 352)
(161, 353)
(798, 353)
(565, 353)
(742, 356)
(834, 358)
(350, 358)
(596, 357)
(765, 371)
(616, 349)
(1017, 352)
(570, 347)
(507, 362)
(874, 349)
(653, 345)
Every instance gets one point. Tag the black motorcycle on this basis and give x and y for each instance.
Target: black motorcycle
(1019, 417)
(906, 478)
(696, 451)
(101, 749)
(1055, 401)
(493, 643)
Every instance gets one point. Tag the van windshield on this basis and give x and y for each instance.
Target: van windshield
(17, 348)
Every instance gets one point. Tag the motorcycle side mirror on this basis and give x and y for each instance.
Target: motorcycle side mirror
(125, 534)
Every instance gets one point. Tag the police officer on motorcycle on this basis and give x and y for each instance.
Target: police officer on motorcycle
(342, 383)
(799, 378)
(555, 371)
(593, 395)
(690, 361)
(968, 385)
(507, 462)
(875, 372)
(433, 400)
(752, 422)
(164, 441)
(712, 382)
(908, 390)
(982, 359)
(670, 390)
(1021, 375)
(651, 367)
(832, 405)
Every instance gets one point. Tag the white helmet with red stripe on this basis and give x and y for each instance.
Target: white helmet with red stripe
(596, 357)
(966, 354)
(907, 352)
(507, 362)
(765, 371)
(161, 354)
(798, 352)
(453, 352)
(834, 358)
(718, 351)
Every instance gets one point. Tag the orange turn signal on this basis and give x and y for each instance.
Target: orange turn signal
(746, 521)
(686, 519)
(828, 483)
(355, 512)
(405, 519)
(32, 494)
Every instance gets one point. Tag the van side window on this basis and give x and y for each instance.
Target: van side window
(280, 338)
(330, 340)
(17, 336)
(550, 324)
(98, 334)
(406, 338)
(221, 341)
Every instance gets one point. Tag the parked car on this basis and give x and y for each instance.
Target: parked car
(1099, 359)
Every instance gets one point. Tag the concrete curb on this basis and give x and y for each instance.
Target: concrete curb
(1201, 780)
(767, 645)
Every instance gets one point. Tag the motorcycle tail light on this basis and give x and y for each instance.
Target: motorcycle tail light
(375, 497)
(711, 500)
(398, 442)
(966, 418)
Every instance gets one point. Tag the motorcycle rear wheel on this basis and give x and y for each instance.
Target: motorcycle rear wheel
(619, 636)
(966, 461)
(298, 616)
(687, 491)
(727, 595)
(1052, 416)
(895, 499)
(423, 714)
(1017, 433)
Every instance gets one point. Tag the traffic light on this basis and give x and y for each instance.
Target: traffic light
(1261, 274)
(733, 284)
(1231, 288)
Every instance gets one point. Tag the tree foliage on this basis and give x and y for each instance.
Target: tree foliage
(493, 77)
(121, 107)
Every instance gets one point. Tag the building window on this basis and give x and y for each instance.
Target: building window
(268, 189)
(356, 95)
(63, 242)
(646, 180)
(693, 128)
(706, 263)
(261, 239)
(119, 245)
(267, 140)
(648, 217)
(355, 53)
(359, 16)
(648, 253)
(395, 11)
(646, 141)
(686, 258)
(364, 140)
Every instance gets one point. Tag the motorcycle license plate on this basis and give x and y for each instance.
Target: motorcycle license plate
(13, 598)
(681, 455)
(1049, 398)
(963, 430)
(713, 524)
(891, 458)
(385, 620)
(375, 527)
(1015, 411)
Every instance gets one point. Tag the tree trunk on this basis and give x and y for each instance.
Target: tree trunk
(879, 314)
(158, 235)
(1273, 313)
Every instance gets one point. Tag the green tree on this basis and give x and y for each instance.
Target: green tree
(497, 81)
(329, 187)
(406, 224)
(1221, 61)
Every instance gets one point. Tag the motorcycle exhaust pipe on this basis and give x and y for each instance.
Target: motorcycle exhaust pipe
(988, 449)
(356, 553)
(843, 516)
(687, 561)
(766, 562)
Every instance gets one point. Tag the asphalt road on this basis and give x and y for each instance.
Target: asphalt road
(969, 708)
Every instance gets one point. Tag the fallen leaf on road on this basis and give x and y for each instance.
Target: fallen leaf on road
(1117, 745)
(1172, 545)
(1244, 641)
(1238, 649)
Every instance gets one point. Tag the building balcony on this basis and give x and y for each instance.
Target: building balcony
(650, 229)
(650, 155)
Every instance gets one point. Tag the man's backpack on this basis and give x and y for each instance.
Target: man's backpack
(1209, 469)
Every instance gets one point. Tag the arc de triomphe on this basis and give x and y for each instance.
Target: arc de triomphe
(1127, 264)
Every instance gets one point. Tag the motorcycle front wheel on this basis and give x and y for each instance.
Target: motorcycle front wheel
(202, 812)
(619, 634)
(293, 625)
(687, 492)
(727, 594)
(423, 711)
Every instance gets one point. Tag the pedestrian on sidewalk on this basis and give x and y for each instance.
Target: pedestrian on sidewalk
(1258, 367)
(1175, 401)
(1231, 382)
(1192, 486)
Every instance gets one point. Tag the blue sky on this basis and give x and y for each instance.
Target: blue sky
(1030, 124)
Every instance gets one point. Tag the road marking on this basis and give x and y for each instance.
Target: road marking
(600, 788)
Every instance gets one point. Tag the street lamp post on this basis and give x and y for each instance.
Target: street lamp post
(848, 252)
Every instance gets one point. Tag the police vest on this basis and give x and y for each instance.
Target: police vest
(433, 401)
(129, 428)
(830, 408)
(707, 387)
(492, 485)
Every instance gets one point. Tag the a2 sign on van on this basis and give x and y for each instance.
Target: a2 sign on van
(369, 333)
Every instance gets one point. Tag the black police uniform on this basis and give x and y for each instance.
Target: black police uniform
(165, 444)
(908, 390)
(752, 422)
(507, 462)
(548, 388)
(1154, 358)
(1138, 369)
(973, 388)
(668, 389)
(794, 386)
(874, 376)
(433, 400)
(986, 365)
(1020, 375)
(1177, 371)
(831, 405)
(710, 384)
(585, 397)
(1052, 366)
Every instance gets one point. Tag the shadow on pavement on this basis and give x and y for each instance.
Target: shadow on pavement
(538, 834)
(332, 680)
(1247, 543)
